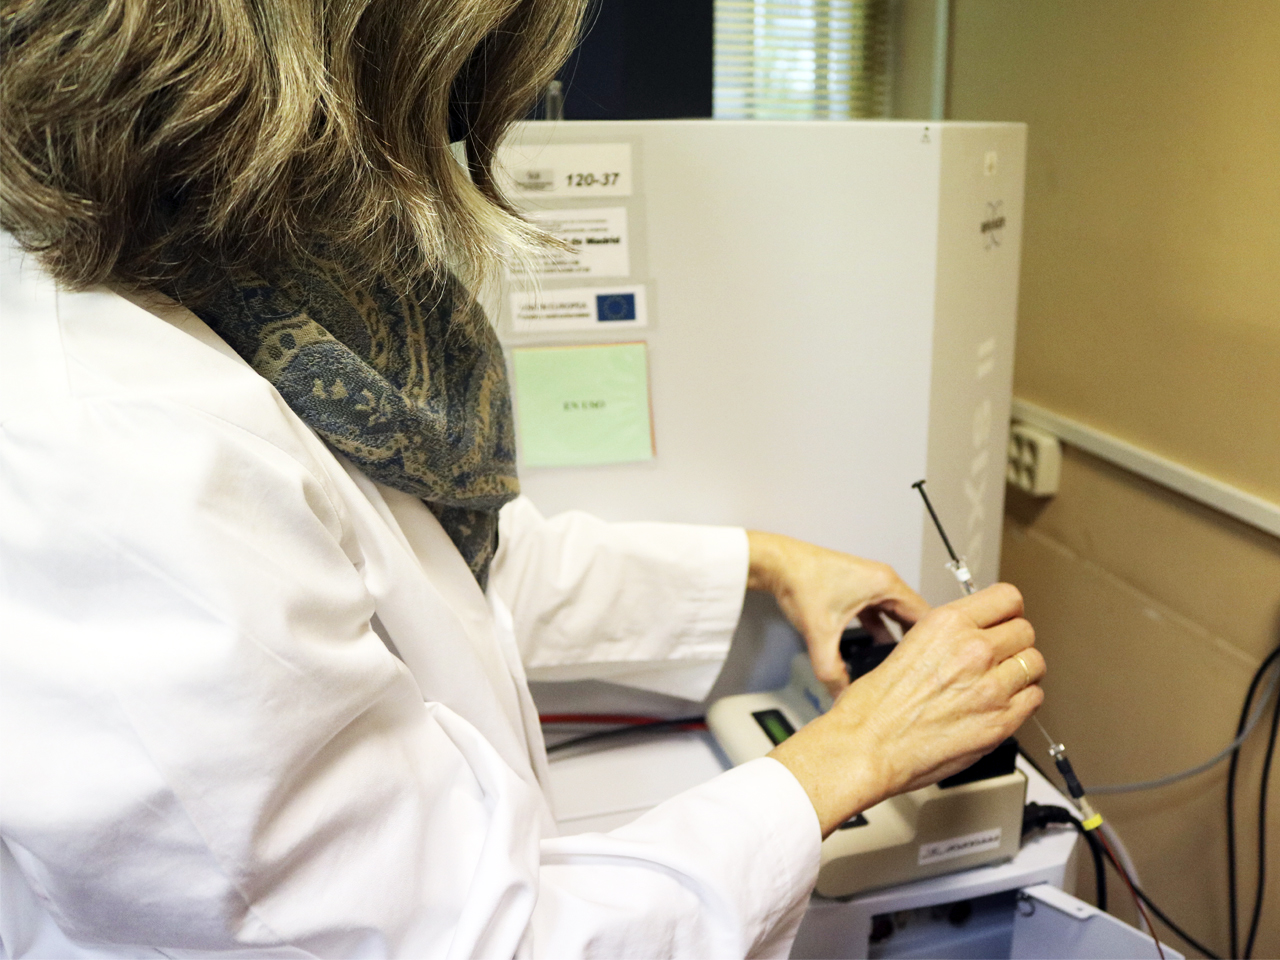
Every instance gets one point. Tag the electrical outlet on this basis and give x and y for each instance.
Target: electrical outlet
(1035, 460)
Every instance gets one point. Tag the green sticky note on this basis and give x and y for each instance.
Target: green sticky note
(580, 406)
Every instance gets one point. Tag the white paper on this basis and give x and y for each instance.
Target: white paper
(580, 308)
(598, 237)
(565, 170)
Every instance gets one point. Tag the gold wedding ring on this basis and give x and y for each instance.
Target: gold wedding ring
(1025, 669)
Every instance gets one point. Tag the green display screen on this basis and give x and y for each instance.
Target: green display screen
(775, 726)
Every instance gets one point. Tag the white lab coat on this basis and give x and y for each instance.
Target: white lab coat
(254, 704)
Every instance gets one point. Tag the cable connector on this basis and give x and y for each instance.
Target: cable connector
(960, 570)
(1037, 816)
(1090, 819)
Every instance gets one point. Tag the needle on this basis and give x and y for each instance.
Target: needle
(961, 570)
(1052, 742)
(957, 566)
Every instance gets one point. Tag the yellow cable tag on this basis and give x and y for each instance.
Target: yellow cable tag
(1093, 823)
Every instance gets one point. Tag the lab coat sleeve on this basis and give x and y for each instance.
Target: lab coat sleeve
(616, 600)
(723, 870)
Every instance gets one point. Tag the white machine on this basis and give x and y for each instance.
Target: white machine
(815, 316)
(963, 822)
(827, 314)
(1016, 908)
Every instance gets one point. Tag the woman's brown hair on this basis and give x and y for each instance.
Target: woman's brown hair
(145, 139)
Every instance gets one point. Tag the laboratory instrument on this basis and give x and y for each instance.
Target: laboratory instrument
(827, 311)
(969, 819)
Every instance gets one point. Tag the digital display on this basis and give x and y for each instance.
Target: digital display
(775, 726)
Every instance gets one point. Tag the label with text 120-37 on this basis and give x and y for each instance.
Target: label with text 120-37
(565, 171)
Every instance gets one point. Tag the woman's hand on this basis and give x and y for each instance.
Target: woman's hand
(964, 678)
(821, 591)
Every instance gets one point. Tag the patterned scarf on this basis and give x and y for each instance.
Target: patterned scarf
(409, 385)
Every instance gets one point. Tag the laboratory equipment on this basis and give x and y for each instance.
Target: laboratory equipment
(967, 820)
(827, 310)
(602, 786)
(830, 316)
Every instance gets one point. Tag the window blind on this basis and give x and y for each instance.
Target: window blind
(801, 59)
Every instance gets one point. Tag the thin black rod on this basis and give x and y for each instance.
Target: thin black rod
(919, 485)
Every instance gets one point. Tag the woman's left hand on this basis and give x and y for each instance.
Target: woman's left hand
(821, 591)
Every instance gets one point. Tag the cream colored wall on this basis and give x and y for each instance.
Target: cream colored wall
(1150, 307)
(1151, 288)
(1152, 613)
(911, 86)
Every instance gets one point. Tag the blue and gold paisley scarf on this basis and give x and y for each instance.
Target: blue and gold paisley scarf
(409, 384)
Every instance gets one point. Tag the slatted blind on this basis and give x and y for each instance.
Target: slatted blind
(801, 59)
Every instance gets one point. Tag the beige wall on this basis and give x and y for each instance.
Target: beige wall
(1151, 288)
(1150, 307)
(1153, 613)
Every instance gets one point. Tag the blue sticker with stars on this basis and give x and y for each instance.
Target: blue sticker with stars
(615, 306)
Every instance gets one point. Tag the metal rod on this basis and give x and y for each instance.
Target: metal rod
(919, 485)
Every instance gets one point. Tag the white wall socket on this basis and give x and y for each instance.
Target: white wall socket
(1035, 460)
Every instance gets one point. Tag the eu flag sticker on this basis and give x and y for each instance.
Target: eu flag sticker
(579, 308)
(615, 306)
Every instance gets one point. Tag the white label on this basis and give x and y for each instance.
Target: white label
(565, 170)
(959, 846)
(598, 238)
(582, 308)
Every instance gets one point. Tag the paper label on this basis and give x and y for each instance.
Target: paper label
(583, 405)
(565, 170)
(959, 846)
(597, 236)
(579, 308)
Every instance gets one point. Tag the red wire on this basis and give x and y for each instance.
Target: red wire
(625, 719)
(1124, 875)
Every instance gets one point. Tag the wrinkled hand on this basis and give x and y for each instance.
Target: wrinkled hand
(951, 691)
(821, 591)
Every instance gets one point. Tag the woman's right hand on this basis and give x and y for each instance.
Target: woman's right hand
(950, 692)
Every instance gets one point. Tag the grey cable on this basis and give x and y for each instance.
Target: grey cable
(1212, 761)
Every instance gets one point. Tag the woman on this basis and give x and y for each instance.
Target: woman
(267, 581)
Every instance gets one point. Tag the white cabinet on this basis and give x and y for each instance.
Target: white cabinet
(830, 317)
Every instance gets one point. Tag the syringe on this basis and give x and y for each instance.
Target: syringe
(1091, 819)
(957, 565)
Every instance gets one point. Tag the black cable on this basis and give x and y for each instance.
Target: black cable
(1090, 836)
(1037, 816)
(1233, 907)
(1164, 917)
(1099, 867)
(1095, 848)
(1262, 833)
(623, 731)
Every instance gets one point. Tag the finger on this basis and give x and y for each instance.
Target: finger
(904, 605)
(1010, 637)
(1022, 670)
(995, 604)
(1024, 703)
(824, 655)
(874, 624)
